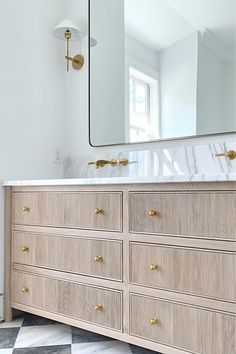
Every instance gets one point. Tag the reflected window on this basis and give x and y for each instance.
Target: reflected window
(143, 107)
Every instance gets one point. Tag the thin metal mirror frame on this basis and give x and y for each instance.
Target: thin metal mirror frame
(138, 143)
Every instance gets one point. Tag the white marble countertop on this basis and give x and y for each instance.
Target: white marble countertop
(123, 180)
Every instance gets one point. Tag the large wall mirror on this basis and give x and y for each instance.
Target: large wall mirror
(161, 69)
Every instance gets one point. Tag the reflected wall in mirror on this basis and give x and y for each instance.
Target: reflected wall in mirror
(161, 69)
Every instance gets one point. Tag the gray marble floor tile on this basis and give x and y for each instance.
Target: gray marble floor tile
(82, 336)
(17, 322)
(61, 349)
(112, 347)
(39, 336)
(139, 350)
(6, 351)
(8, 337)
(32, 320)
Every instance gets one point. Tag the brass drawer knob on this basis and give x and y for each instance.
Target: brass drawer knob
(25, 290)
(154, 321)
(98, 308)
(26, 209)
(229, 154)
(153, 266)
(24, 249)
(98, 259)
(152, 213)
(98, 211)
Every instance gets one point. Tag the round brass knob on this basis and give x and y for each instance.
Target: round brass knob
(154, 321)
(98, 259)
(26, 209)
(98, 308)
(25, 290)
(24, 249)
(98, 211)
(153, 266)
(152, 213)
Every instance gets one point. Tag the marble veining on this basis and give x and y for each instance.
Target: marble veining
(37, 335)
(112, 347)
(192, 162)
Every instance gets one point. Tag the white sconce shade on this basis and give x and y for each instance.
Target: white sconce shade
(67, 25)
(93, 42)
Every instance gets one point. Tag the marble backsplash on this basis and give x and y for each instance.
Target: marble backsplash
(197, 162)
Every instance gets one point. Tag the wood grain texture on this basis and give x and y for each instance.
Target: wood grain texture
(67, 298)
(69, 210)
(183, 327)
(194, 271)
(100, 330)
(69, 254)
(192, 240)
(207, 215)
(7, 254)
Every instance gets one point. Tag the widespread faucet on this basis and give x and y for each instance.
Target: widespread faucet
(113, 163)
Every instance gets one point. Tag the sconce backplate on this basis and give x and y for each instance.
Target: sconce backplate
(78, 62)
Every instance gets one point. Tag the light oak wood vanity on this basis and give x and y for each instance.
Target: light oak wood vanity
(150, 264)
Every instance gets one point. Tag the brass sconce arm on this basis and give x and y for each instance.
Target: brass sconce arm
(113, 163)
(229, 154)
(77, 61)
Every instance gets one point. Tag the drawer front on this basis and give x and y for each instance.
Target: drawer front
(92, 257)
(210, 215)
(95, 305)
(100, 258)
(86, 210)
(184, 327)
(205, 273)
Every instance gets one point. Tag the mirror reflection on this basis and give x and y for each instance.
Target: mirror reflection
(161, 69)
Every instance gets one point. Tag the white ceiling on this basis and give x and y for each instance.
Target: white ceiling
(160, 23)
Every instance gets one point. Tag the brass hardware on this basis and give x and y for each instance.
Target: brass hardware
(98, 308)
(24, 249)
(68, 37)
(153, 266)
(229, 154)
(77, 61)
(26, 209)
(113, 163)
(154, 321)
(123, 162)
(98, 259)
(152, 213)
(98, 211)
(25, 290)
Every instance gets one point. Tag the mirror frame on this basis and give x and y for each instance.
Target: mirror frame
(136, 143)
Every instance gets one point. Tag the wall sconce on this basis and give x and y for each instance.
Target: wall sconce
(67, 30)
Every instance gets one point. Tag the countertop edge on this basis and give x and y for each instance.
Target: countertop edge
(122, 180)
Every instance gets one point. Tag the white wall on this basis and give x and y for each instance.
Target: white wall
(31, 93)
(178, 88)
(216, 92)
(107, 64)
(209, 95)
(229, 95)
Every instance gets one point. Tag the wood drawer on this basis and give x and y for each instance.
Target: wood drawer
(184, 327)
(202, 214)
(70, 299)
(206, 273)
(69, 254)
(75, 210)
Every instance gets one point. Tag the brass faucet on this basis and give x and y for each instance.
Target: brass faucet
(113, 163)
(229, 154)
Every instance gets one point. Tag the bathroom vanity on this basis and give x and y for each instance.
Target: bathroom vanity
(153, 264)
